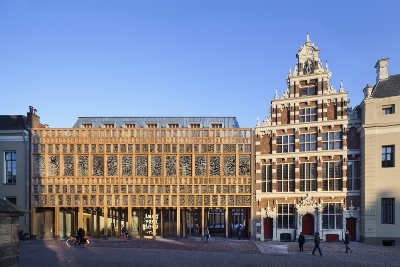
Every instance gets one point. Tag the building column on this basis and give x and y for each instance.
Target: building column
(56, 229)
(184, 223)
(129, 221)
(178, 222)
(98, 212)
(105, 213)
(92, 221)
(227, 225)
(33, 224)
(80, 218)
(202, 223)
(154, 222)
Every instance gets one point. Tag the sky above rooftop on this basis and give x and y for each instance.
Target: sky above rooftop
(181, 58)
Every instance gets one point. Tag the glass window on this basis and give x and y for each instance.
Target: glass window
(353, 175)
(308, 142)
(332, 216)
(11, 167)
(285, 216)
(387, 156)
(308, 114)
(308, 177)
(387, 210)
(307, 91)
(12, 200)
(332, 176)
(331, 140)
(386, 110)
(266, 178)
(285, 143)
(285, 178)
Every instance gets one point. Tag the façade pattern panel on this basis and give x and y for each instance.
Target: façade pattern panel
(98, 165)
(170, 165)
(200, 165)
(39, 165)
(185, 165)
(112, 165)
(141, 165)
(54, 165)
(69, 166)
(229, 165)
(83, 165)
(126, 165)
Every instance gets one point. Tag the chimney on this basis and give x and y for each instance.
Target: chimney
(367, 91)
(382, 69)
(33, 119)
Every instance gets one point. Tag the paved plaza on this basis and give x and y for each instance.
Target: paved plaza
(192, 252)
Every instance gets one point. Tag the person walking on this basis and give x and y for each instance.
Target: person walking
(239, 230)
(347, 241)
(316, 243)
(301, 241)
(123, 234)
(206, 234)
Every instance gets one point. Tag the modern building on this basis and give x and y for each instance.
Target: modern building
(308, 157)
(157, 176)
(14, 158)
(380, 140)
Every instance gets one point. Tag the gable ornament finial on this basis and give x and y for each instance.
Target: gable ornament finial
(308, 38)
(341, 88)
(276, 94)
(326, 66)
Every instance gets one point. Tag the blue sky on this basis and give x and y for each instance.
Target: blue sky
(181, 58)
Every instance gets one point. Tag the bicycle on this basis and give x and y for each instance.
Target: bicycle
(73, 241)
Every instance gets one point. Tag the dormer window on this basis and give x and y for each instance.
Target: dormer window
(308, 91)
(152, 125)
(216, 125)
(195, 125)
(173, 125)
(130, 125)
(87, 125)
(108, 125)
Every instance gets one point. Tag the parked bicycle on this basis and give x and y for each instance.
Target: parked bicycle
(74, 240)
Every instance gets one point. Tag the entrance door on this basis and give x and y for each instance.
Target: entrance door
(307, 224)
(268, 228)
(351, 226)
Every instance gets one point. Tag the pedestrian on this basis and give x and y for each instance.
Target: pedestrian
(301, 241)
(239, 230)
(206, 234)
(316, 243)
(123, 234)
(197, 228)
(347, 241)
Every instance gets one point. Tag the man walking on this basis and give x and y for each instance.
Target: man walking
(316, 243)
(347, 241)
(301, 240)
(239, 230)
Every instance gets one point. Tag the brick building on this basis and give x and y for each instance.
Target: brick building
(308, 157)
(157, 176)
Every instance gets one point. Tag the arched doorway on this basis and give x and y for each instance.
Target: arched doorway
(268, 228)
(307, 224)
(351, 224)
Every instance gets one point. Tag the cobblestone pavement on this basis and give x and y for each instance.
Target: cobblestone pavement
(192, 252)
